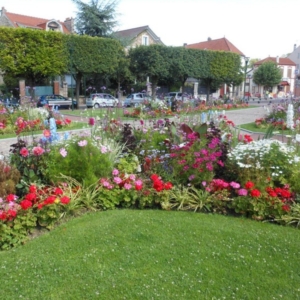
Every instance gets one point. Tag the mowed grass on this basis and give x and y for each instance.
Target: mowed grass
(74, 126)
(152, 254)
(252, 127)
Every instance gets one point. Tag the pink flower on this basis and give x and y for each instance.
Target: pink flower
(132, 177)
(115, 172)
(191, 177)
(204, 183)
(235, 185)
(117, 180)
(82, 143)
(242, 192)
(103, 149)
(63, 152)
(91, 121)
(127, 186)
(38, 151)
(24, 152)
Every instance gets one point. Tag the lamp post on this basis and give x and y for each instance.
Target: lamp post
(246, 64)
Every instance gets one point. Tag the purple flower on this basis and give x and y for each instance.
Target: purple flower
(91, 121)
(191, 177)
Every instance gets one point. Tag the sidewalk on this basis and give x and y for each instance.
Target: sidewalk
(238, 117)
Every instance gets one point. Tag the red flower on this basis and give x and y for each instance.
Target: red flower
(255, 193)
(249, 185)
(32, 189)
(3, 215)
(68, 121)
(30, 197)
(11, 197)
(64, 200)
(25, 204)
(286, 207)
(11, 214)
(24, 152)
(58, 191)
(154, 177)
(168, 185)
(49, 200)
(138, 187)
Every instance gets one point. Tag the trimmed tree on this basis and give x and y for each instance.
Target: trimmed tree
(31, 54)
(267, 74)
(150, 61)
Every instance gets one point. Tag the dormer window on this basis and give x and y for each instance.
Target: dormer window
(145, 40)
(53, 26)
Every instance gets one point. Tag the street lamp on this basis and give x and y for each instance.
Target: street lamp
(246, 64)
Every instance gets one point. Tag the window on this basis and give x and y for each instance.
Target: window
(289, 73)
(145, 40)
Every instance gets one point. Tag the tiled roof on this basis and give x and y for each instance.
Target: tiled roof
(284, 61)
(31, 22)
(218, 45)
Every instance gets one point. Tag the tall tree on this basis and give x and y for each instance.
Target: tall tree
(96, 18)
(267, 74)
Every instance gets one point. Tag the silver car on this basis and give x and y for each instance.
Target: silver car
(101, 100)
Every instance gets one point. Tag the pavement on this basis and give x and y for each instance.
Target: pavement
(238, 117)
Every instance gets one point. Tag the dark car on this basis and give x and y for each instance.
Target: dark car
(58, 101)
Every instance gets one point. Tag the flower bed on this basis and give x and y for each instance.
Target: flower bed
(196, 164)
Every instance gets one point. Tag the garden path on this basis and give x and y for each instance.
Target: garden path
(241, 116)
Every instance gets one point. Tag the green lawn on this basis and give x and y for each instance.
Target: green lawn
(252, 127)
(153, 254)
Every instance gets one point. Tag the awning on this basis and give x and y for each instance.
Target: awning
(284, 83)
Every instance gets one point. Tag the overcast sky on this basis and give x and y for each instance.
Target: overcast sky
(258, 28)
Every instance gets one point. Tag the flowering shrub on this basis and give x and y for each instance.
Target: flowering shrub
(265, 162)
(80, 158)
(270, 203)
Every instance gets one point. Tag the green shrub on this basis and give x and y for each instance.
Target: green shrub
(79, 158)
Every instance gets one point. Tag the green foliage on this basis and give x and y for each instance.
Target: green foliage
(96, 19)
(84, 163)
(16, 232)
(268, 74)
(9, 177)
(21, 57)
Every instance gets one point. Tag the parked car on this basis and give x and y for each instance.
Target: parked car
(177, 95)
(101, 100)
(10, 102)
(56, 101)
(135, 99)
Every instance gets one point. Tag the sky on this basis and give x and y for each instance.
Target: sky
(258, 28)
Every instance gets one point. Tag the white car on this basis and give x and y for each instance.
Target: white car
(101, 100)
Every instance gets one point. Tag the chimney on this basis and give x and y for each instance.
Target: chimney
(69, 23)
(3, 11)
(184, 45)
(295, 46)
(209, 38)
(277, 59)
